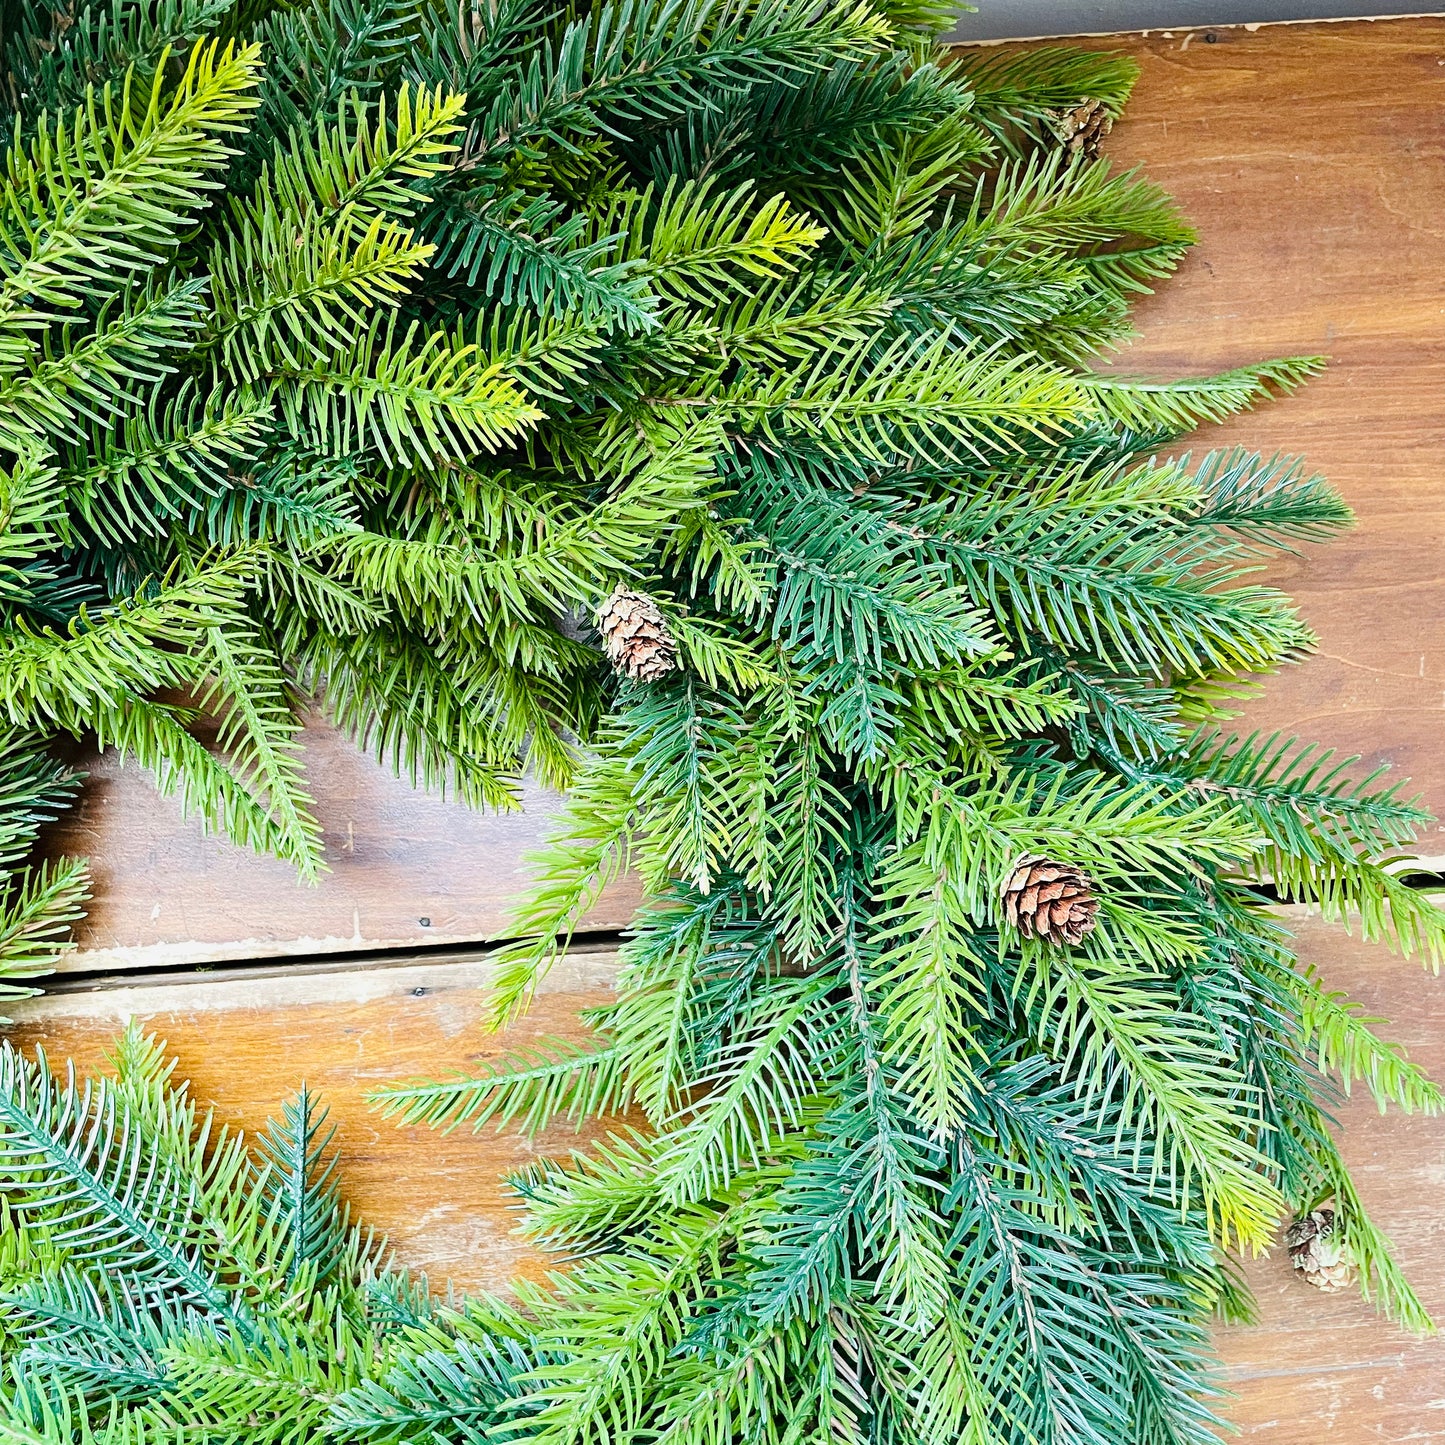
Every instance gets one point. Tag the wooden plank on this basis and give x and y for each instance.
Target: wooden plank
(1037, 19)
(1312, 161)
(1318, 1367)
(406, 869)
(246, 1042)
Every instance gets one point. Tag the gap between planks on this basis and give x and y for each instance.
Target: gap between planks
(584, 968)
(119, 997)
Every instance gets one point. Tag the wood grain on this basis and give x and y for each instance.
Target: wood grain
(406, 869)
(1317, 1368)
(1311, 160)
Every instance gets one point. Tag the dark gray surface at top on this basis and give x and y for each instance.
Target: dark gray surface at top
(1023, 19)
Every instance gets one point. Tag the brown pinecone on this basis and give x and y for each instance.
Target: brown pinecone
(1051, 901)
(635, 636)
(1082, 129)
(1317, 1250)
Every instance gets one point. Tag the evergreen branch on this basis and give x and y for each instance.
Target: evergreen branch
(97, 379)
(928, 987)
(399, 700)
(132, 648)
(301, 1189)
(566, 1081)
(90, 203)
(1045, 205)
(289, 292)
(589, 850)
(513, 248)
(1302, 796)
(157, 466)
(1360, 891)
(34, 790)
(623, 61)
(698, 244)
(1017, 94)
(1344, 1044)
(32, 519)
(182, 766)
(1180, 406)
(67, 1157)
(115, 36)
(1272, 502)
(755, 1092)
(411, 396)
(259, 731)
(366, 162)
(917, 398)
(1110, 1025)
(1379, 1274)
(321, 52)
(37, 910)
(466, 1381)
(629, 1312)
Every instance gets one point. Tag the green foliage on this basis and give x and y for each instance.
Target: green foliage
(788, 319)
(157, 1276)
(39, 901)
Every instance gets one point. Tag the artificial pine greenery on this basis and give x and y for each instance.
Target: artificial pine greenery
(162, 1282)
(376, 348)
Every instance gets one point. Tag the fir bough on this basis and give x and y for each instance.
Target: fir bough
(777, 318)
(160, 1280)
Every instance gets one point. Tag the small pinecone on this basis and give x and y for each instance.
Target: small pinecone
(1051, 901)
(1318, 1252)
(635, 636)
(1082, 129)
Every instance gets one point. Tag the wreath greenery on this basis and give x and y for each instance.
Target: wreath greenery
(688, 402)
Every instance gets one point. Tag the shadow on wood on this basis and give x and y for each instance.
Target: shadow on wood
(406, 870)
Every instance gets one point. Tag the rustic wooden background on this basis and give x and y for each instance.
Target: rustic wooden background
(1312, 159)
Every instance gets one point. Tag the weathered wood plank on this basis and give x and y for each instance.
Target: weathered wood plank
(1318, 1367)
(407, 869)
(1029, 19)
(245, 1042)
(1311, 159)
